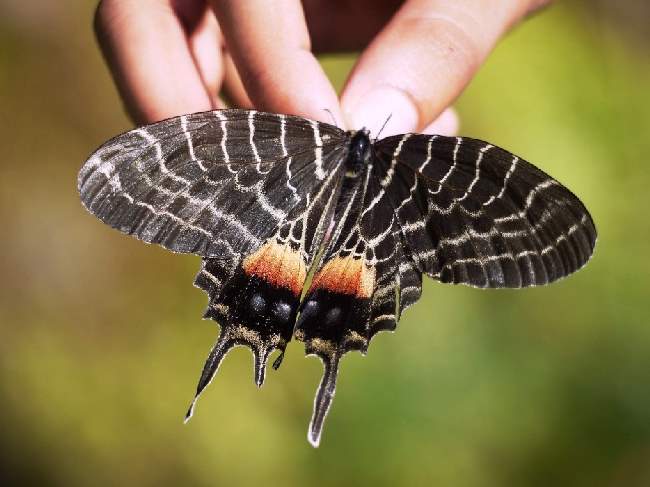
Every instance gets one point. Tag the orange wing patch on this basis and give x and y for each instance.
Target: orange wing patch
(346, 275)
(279, 265)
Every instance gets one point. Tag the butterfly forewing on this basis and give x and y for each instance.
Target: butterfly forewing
(177, 181)
(479, 215)
(259, 196)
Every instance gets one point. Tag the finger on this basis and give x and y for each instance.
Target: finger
(206, 45)
(233, 86)
(422, 60)
(271, 49)
(147, 52)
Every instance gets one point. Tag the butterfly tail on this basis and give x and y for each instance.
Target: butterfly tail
(324, 397)
(223, 345)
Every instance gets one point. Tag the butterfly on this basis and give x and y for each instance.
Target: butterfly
(268, 199)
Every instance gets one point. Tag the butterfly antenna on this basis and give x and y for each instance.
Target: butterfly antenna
(323, 398)
(331, 116)
(383, 126)
(218, 352)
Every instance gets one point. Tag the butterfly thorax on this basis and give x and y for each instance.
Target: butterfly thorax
(359, 152)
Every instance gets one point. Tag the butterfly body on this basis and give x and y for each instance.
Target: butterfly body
(265, 198)
(359, 152)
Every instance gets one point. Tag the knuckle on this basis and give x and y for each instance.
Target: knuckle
(450, 41)
(459, 47)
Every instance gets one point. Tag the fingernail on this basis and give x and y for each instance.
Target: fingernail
(374, 109)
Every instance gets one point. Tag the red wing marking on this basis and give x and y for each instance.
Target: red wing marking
(346, 275)
(279, 265)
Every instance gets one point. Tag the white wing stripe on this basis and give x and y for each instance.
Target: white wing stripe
(251, 133)
(515, 159)
(477, 172)
(389, 175)
(428, 159)
(318, 150)
(451, 168)
(224, 138)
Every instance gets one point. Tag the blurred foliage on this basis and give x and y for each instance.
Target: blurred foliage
(102, 339)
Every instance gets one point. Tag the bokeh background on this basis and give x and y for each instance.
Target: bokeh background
(101, 337)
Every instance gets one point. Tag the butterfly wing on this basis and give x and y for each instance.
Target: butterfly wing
(251, 192)
(458, 209)
(209, 183)
(476, 214)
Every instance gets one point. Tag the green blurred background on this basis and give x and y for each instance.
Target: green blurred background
(102, 340)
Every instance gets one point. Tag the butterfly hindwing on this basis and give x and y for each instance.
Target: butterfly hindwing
(356, 289)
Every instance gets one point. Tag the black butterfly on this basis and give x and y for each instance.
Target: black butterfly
(260, 196)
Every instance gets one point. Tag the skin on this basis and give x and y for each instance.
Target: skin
(170, 57)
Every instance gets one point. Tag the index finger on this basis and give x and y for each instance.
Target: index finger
(148, 54)
(270, 46)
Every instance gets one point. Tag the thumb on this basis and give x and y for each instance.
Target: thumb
(422, 60)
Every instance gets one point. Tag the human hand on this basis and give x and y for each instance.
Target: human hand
(170, 57)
